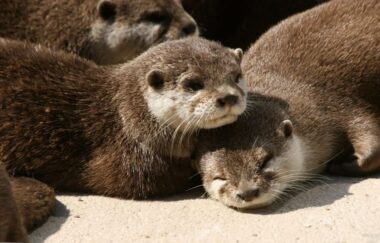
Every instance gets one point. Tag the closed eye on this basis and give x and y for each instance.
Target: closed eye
(156, 17)
(238, 78)
(193, 85)
(265, 161)
(219, 178)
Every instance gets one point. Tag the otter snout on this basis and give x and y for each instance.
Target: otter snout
(184, 28)
(248, 195)
(189, 28)
(228, 100)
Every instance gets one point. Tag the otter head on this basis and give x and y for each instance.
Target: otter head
(192, 83)
(126, 28)
(250, 163)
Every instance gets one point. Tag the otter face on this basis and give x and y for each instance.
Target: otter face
(126, 28)
(249, 167)
(196, 86)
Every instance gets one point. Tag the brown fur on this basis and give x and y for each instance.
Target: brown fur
(332, 56)
(11, 224)
(239, 23)
(80, 127)
(35, 200)
(67, 25)
(321, 70)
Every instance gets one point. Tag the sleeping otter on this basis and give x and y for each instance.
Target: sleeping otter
(315, 81)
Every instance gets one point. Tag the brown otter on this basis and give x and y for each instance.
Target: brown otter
(125, 131)
(25, 203)
(106, 31)
(316, 82)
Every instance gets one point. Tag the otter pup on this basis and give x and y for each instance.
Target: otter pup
(24, 204)
(106, 31)
(316, 82)
(125, 131)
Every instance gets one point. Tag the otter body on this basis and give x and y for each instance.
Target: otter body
(315, 81)
(123, 131)
(106, 31)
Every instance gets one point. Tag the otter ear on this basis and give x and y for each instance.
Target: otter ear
(107, 10)
(238, 53)
(155, 79)
(286, 129)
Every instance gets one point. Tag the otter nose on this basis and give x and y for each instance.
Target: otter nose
(189, 29)
(248, 195)
(227, 100)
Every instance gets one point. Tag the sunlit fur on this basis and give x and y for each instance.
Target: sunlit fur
(105, 31)
(122, 40)
(262, 150)
(199, 108)
(288, 169)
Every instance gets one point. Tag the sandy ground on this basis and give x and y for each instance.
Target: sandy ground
(342, 210)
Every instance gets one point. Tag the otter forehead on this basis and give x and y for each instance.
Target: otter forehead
(193, 55)
(135, 9)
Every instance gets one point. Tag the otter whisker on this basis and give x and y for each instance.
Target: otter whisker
(195, 187)
(195, 174)
(321, 165)
(167, 123)
(175, 135)
(188, 126)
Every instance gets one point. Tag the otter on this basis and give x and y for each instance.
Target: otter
(105, 31)
(25, 203)
(125, 131)
(314, 105)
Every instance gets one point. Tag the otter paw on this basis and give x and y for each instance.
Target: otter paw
(355, 165)
(34, 199)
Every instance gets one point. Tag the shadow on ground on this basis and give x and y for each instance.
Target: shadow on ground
(317, 195)
(54, 223)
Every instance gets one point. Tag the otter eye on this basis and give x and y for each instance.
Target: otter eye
(193, 85)
(219, 178)
(238, 78)
(107, 10)
(265, 161)
(156, 17)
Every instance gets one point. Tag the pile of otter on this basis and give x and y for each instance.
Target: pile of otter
(122, 98)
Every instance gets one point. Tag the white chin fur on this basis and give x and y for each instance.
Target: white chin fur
(219, 122)
(262, 201)
(257, 203)
(226, 119)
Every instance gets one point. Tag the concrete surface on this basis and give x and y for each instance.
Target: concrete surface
(342, 210)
